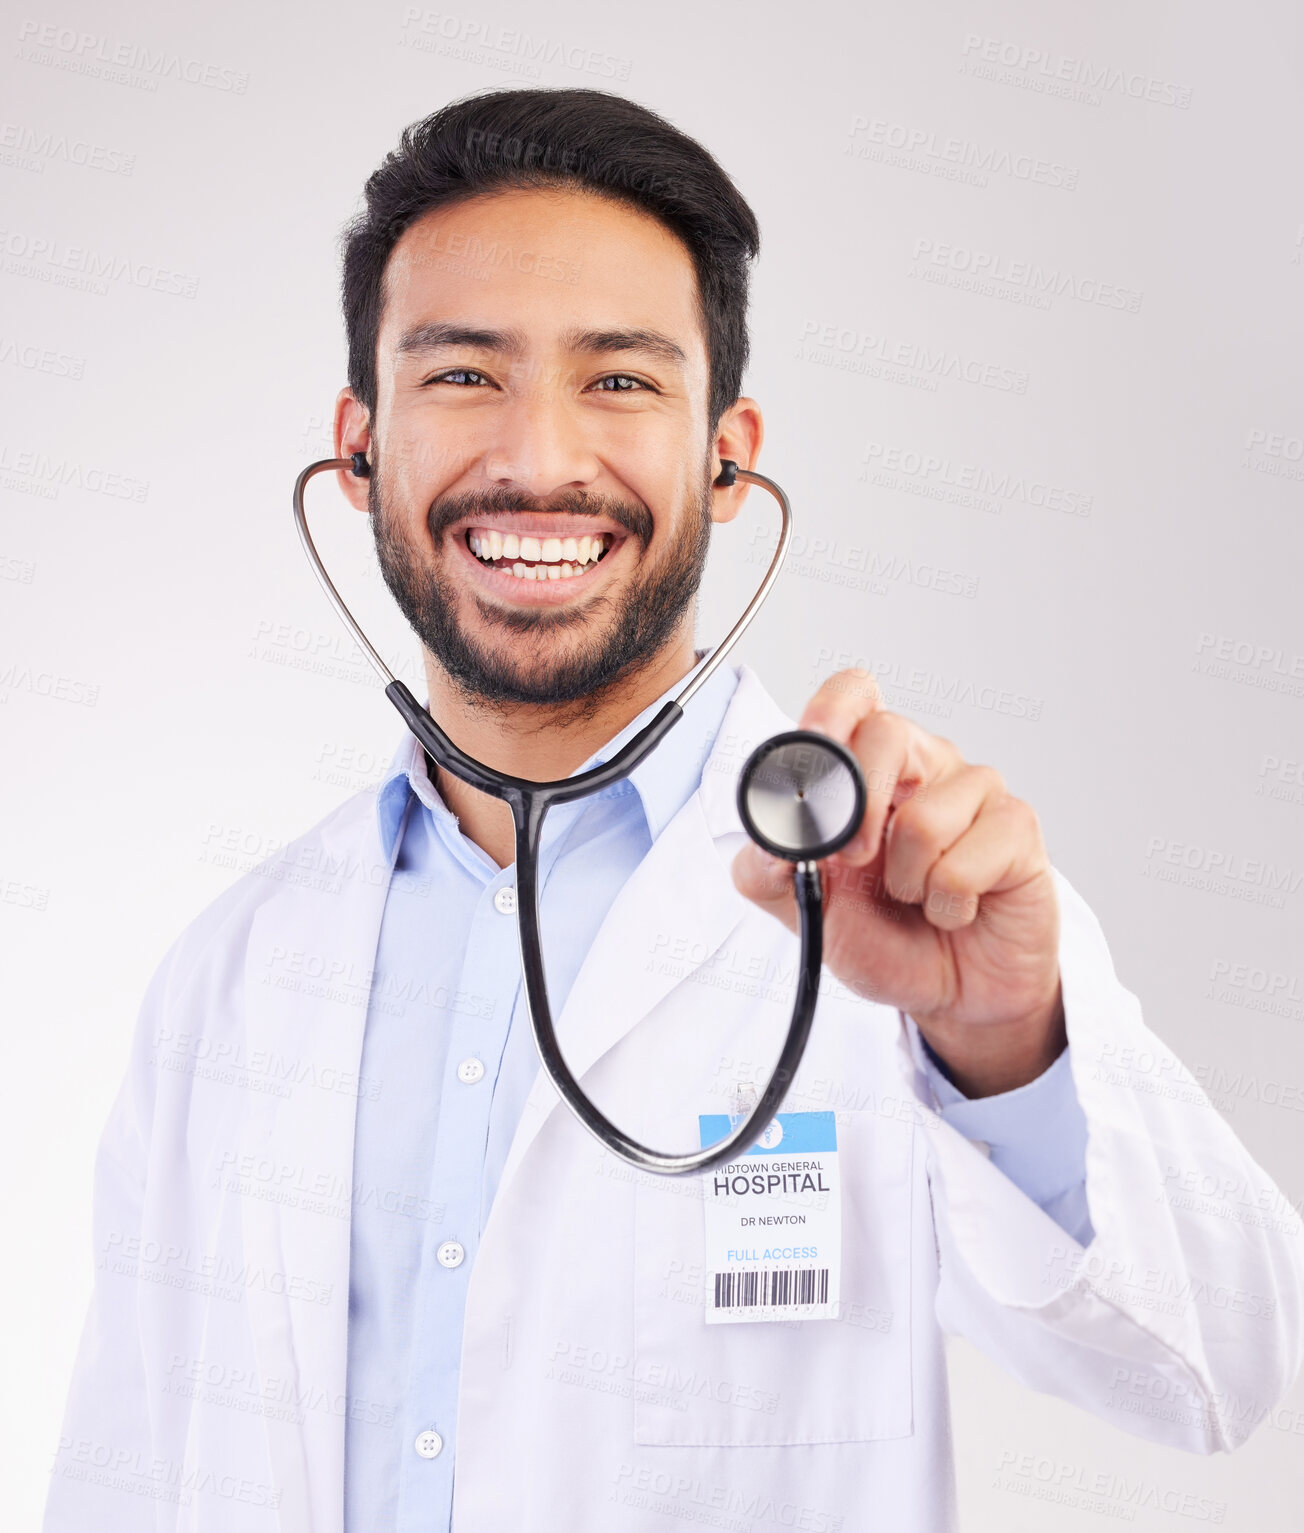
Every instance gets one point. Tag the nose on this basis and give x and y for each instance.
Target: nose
(539, 446)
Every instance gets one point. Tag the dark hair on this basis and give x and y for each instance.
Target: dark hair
(584, 139)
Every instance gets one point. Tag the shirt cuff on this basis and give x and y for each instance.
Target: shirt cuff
(1035, 1134)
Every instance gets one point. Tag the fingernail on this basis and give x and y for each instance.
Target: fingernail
(859, 845)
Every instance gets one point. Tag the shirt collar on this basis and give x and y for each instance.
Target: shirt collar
(664, 780)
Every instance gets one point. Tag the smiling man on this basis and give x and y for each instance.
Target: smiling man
(541, 451)
(356, 1269)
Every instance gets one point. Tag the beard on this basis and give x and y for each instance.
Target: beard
(612, 636)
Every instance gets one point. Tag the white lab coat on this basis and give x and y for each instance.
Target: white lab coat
(210, 1388)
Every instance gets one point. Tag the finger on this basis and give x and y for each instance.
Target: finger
(1002, 849)
(898, 761)
(766, 880)
(929, 824)
(841, 703)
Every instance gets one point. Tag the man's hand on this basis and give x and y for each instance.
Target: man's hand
(942, 904)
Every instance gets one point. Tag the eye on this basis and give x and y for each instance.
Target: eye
(619, 382)
(458, 375)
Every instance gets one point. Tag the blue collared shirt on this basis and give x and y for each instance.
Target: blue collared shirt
(448, 1061)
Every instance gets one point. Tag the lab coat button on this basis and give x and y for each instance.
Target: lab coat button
(505, 900)
(429, 1444)
(451, 1254)
(470, 1071)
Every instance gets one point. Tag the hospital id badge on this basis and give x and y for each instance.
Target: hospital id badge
(774, 1222)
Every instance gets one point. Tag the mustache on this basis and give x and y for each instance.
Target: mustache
(633, 516)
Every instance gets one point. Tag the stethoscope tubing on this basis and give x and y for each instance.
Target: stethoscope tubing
(530, 801)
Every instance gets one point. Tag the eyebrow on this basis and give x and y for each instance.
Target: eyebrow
(439, 334)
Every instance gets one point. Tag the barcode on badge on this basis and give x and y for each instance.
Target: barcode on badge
(765, 1289)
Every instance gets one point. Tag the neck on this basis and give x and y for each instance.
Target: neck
(543, 741)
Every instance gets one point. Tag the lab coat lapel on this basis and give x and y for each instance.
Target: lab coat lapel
(679, 904)
(307, 982)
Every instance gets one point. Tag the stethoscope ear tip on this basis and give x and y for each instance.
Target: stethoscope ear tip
(359, 465)
(728, 474)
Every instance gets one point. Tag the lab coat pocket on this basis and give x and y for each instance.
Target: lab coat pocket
(767, 1383)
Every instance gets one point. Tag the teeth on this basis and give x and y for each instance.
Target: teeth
(548, 558)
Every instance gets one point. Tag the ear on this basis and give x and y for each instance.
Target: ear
(739, 437)
(352, 434)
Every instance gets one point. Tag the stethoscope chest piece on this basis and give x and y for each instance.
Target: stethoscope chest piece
(801, 796)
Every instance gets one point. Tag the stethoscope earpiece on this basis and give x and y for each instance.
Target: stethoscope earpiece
(728, 469)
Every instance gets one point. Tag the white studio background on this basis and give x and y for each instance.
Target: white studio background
(1028, 329)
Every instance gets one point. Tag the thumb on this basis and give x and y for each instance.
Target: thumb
(766, 880)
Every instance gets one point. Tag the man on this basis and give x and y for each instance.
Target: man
(356, 1267)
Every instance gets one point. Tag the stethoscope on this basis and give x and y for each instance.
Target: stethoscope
(801, 796)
